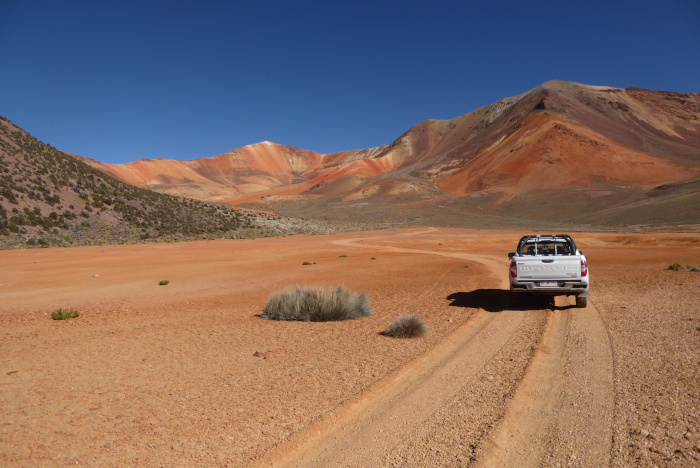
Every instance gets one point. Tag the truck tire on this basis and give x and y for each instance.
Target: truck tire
(581, 302)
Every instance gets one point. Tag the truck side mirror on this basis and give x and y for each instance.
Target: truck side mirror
(511, 254)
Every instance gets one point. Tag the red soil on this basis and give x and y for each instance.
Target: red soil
(188, 374)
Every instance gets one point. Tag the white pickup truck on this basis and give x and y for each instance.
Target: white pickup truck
(549, 265)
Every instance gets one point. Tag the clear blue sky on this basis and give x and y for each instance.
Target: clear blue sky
(123, 80)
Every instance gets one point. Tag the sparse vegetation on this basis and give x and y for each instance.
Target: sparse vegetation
(316, 304)
(50, 198)
(164, 282)
(64, 314)
(679, 267)
(343, 256)
(306, 263)
(406, 326)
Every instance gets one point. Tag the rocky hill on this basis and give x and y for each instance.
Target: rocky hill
(50, 198)
(562, 152)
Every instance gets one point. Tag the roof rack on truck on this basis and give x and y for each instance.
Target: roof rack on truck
(546, 238)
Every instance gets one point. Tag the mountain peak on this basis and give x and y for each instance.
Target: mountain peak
(571, 86)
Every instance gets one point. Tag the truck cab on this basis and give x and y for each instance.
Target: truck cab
(549, 265)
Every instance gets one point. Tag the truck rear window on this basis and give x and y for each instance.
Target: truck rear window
(547, 248)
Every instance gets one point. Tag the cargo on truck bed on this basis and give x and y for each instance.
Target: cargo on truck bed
(549, 265)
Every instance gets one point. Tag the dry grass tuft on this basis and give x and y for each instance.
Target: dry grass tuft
(316, 304)
(64, 314)
(406, 326)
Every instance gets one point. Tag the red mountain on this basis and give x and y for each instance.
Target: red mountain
(558, 136)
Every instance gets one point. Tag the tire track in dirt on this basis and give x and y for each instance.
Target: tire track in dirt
(561, 410)
(363, 433)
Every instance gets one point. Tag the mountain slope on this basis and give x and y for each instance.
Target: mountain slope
(559, 134)
(562, 153)
(237, 174)
(569, 139)
(51, 198)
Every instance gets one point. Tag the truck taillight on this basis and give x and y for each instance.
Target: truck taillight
(584, 268)
(514, 270)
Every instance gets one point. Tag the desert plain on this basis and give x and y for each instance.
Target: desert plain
(189, 374)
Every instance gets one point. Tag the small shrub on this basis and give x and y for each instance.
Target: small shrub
(64, 314)
(675, 267)
(316, 304)
(306, 263)
(406, 326)
(343, 256)
(164, 283)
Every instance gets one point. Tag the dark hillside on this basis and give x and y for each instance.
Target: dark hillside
(50, 198)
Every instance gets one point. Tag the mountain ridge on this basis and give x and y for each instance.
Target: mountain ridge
(562, 154)
(471, 153)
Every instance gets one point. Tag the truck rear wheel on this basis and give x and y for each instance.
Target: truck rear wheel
(581, 302)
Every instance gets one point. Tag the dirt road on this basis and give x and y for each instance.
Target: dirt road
(561, 409)
(188, 374)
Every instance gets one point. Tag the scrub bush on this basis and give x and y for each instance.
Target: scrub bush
(316, 304)
(64, 314)
(406, 326)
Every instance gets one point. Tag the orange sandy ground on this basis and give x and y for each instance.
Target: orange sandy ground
(153, 374)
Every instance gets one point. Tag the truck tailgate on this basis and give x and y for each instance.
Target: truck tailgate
(545, 267)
